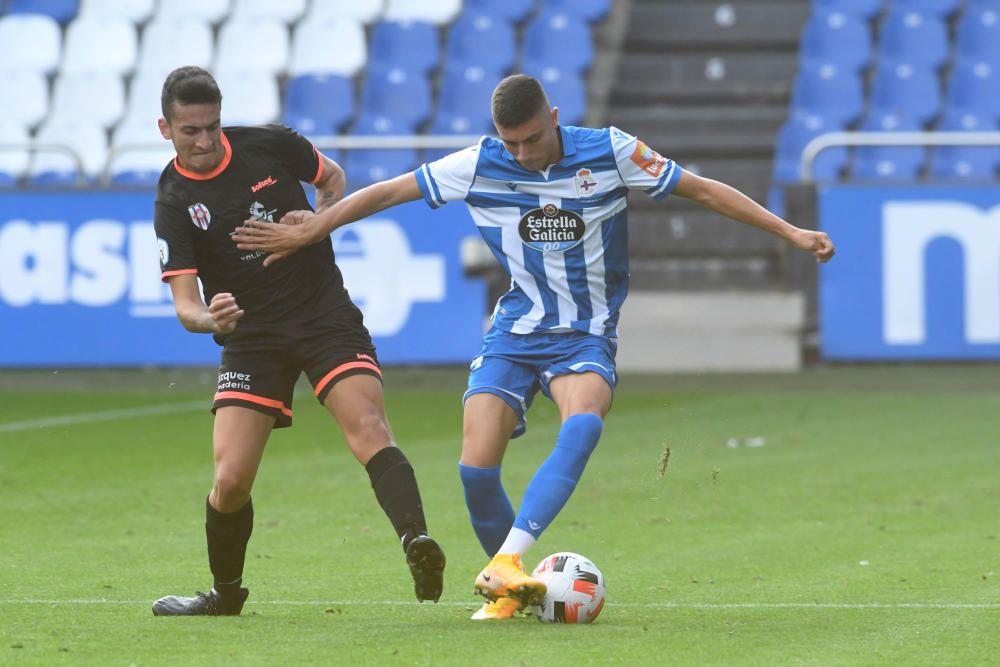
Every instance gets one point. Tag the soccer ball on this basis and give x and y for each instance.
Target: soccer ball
(575, 589)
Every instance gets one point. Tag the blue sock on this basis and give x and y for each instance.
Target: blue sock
(490, 510)
(556, 478)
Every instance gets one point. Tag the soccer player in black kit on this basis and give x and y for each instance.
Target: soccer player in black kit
(272, 324)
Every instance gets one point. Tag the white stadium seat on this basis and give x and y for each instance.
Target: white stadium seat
(136, 11)
(89, 140)
(30, 41)
(365, 11)
(160, 50)
(252, 46)
(100, 43)
(249, 98)
(143, 106)
(146, 150)
(333, 46)
(287, 11)
(75, 93)
(438, 12)
(24, 96)
(13, 162)
(212, 11)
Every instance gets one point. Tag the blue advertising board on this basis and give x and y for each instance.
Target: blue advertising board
(80, 284)
(916, 276)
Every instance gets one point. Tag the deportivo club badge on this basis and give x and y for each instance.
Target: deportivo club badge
(551, 228)
(200, 216)
(585, 183)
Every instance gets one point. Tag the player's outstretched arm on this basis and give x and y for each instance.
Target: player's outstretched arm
(300, 229)
(218, 317)
(330, 187)
(733, 204)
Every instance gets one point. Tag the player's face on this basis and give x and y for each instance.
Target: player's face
(534, 144)
(196, 133)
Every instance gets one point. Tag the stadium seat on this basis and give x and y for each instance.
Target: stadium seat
(793, 137)
(24, 96)
(974, 86)
(400, 95)
(463, 106)
(100, 43)
(436, 12)
(286, 11)
(87, 140)
(259, 46)
(13, 162)
(366, 166)
(74, 93)
(30, 42)
(866, 9)
(136, 11)
(318, 104)
(158, 51)
(481, 39)
(978, 34)
(146, 155)
(143, 105)
(829, 91)
(412, 45)
(362, 11)
(888, 163)
(212, 11)
(966, 163)
(249, 98)
(913, 37)
(836, 37)
(591, 11)
(328, 46)
(939, 8)
(515, 11)
(906, 89)
(62, 11)
(564, 88)
(546, 38)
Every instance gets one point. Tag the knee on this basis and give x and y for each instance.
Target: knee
(366, 430)
(231, 490)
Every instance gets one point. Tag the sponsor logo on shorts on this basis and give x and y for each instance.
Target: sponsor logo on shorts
(200, 215)
(647, 159)
(551, 228)
(234, 380)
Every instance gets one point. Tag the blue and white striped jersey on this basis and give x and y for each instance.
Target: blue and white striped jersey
(560, 233)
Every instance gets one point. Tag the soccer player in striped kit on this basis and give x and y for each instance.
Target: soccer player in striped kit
(551, 203)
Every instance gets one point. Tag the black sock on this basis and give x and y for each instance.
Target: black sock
(396, 490)
(227, 536)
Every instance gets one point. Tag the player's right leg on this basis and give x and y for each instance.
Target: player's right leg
(240, 435)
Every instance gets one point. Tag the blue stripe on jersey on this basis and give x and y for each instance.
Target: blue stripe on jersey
(614, 230)
(576, 275)
(423, 174)
(578, 205)
(534, 263)
(502, 200)
(665, 187)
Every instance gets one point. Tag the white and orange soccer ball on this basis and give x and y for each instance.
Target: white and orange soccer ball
(575, 589)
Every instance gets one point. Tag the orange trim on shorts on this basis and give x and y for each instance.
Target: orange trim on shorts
(221, 167)
(259, 400)
(350, 365)
(319, 170)
(178, 272)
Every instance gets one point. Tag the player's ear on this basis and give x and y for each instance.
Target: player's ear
(555, 116)
(164, 128)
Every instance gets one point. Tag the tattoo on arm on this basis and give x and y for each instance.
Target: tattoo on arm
(325, 199)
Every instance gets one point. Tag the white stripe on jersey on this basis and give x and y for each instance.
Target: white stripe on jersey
(515, 249)
(593, 251)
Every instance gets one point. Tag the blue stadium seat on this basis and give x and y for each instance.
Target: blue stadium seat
(901, 88)
(560, 40)
(829, 91)
(888, 163)
(133, 178)
(62, 11)
(411, 44)
(836, 37)
(366, 166)
(564, 88)
(798, 131)
(463, 105)
(966, 163)
(914, 37)
(866, 9)
(978, 34)
(590, 11)
(481, 39)
(975, 86)
(400, 95)
(317, 104)
(942, 8)
(514, 11)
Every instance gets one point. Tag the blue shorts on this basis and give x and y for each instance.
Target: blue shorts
(515, 366)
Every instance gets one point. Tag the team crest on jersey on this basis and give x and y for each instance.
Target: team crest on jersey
(585, 183)
(200, 216)
(551, 228)
(647, 159)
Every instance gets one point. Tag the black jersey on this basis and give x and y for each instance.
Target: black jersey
(259, 177)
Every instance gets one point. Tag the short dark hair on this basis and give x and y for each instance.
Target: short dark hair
(189, 85)
(517, 99)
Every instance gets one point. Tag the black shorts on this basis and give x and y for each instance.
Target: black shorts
(261, 365)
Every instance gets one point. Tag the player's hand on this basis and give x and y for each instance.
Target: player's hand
(225, 312)
(296, 217)
(279, 240)
(818, 243)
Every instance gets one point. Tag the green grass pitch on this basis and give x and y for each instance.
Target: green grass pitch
(843, 516)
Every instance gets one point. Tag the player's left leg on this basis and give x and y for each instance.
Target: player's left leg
(357, 404)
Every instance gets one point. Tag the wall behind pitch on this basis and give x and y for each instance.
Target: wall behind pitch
(916, 276)
(80, 284)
